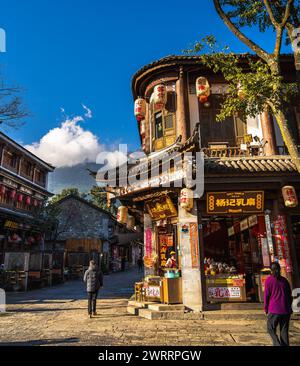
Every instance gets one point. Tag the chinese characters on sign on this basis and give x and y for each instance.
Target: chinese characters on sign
(224, 292)
(194, 245)
(163, 250)
(282, 243)
(235, 202)
(148, 242)
(161, 208)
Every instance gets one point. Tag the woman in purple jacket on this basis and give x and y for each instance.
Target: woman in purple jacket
(278, 305)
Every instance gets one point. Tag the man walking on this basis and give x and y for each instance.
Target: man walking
(93, 278)
(278, 305)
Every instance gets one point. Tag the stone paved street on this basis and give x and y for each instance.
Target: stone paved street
(58, 316)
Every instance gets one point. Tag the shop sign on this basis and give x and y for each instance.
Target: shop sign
(224, 292)
(231, 231)
(252, 220)
(153, 292)
(26, 190)
(12, 225)
(194, 245)
(235, 202)
(282, 243)
(163, 250)
(161, 208)
(244, 224)
(148, 242)
(269, 236)
(10, 183)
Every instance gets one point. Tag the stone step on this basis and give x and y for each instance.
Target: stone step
(165, 307)
(242, 306)
(133, 310)
(161, 315)
(139, 304)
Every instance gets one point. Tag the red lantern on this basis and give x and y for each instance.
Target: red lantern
(202, 89)
(160, 96)
(13, 194)
(140, 109)
(2, 189)
(20, 198)
(290, 196)
(28, 201)
(35, 203)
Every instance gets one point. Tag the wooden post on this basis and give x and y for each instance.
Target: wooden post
(268, 133)
(148, 136)
(181, 124)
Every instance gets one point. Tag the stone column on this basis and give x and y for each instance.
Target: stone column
(192, 293)
(181, 122)
(268, 133)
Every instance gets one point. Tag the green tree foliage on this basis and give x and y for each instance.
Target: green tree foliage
(258, 85)
(99, 198)
(67, 192)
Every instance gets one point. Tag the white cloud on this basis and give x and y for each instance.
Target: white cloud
(89, 113)
(70, 144)
(67, 145)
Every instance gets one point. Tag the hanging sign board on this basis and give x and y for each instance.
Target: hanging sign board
(235, 202)
(161, 208)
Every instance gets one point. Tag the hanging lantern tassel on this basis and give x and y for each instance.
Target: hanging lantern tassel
(202, 89)
(187, 199)
(140, 109)
(122, 214)
(290, 196)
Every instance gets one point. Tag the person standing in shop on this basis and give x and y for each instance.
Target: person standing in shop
(278, 305)
(171, 262)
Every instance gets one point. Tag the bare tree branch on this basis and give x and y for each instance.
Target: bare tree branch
(241, 36)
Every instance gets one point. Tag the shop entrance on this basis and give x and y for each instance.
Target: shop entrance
(236, 252)
(167, 243)
(296, 237)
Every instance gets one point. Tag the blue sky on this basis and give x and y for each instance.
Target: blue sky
(67, 52)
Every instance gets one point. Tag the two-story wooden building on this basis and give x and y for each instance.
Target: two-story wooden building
(23, 191)
(248, 214)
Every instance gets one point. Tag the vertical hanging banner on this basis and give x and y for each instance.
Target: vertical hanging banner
(282, 243)
(148, 242)
(194, 245)
(269, 236)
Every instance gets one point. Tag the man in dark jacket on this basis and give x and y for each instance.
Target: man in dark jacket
(93, 278)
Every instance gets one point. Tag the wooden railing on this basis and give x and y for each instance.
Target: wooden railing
(229, 152)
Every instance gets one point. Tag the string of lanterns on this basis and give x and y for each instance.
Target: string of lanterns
(19, 197)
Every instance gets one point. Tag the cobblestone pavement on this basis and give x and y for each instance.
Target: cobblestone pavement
(58, 316)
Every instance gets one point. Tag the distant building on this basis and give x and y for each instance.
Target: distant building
(23, 191)
(88, 232)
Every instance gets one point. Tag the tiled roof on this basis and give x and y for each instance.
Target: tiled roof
(191, 59)
(259, 164)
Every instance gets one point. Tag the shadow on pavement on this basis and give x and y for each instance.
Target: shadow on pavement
(41, 342)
